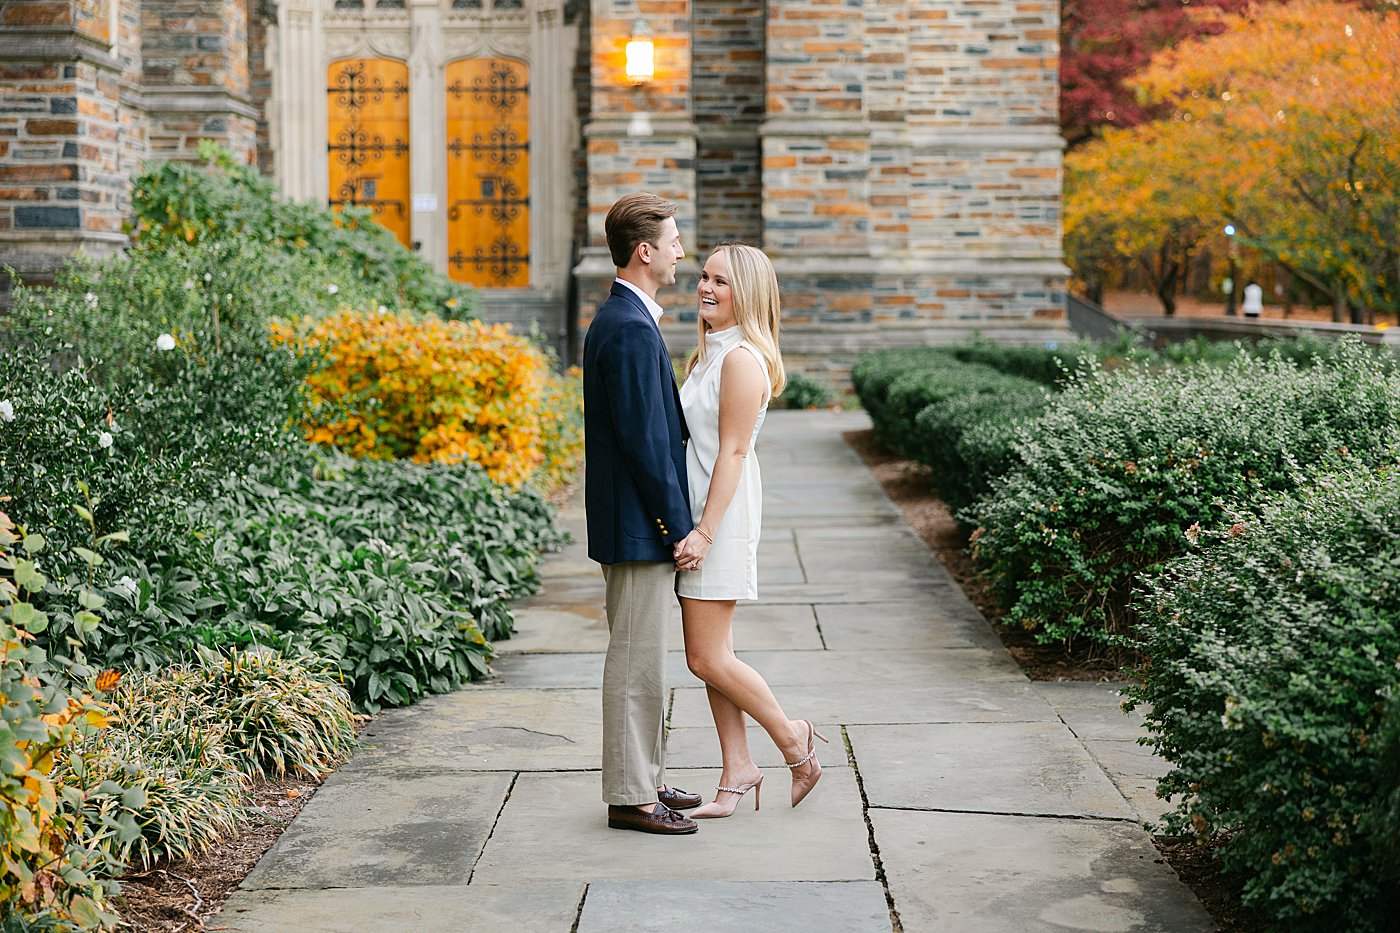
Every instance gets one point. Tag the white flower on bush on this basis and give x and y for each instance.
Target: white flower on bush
(91, 299)
(7, 410)
(125, 586)
(383, 309)
(332, 288)
(208, 277)
(104, 440)
(165, 342)
(189, 283)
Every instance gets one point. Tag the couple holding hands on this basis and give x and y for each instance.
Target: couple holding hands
(674, 503)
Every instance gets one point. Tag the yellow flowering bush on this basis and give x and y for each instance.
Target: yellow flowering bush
(400, 385)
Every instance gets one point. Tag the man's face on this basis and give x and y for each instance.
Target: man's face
(664, 254)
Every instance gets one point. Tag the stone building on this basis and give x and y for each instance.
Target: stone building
(899, 159)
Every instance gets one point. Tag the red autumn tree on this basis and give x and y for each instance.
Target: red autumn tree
(1105, 42)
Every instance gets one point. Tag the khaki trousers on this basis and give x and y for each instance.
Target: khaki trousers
(641, 597)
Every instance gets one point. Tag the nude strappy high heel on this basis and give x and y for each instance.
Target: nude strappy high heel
(801, 787)
(718, 811)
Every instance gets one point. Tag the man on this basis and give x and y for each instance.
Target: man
(636, 498)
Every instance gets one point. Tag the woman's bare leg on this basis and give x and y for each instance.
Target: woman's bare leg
(734, 688)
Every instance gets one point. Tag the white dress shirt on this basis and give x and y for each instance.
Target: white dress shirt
(650, 303)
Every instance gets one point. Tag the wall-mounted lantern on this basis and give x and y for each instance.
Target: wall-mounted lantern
(641, 53)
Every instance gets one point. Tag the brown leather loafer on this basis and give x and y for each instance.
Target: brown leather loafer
(661, 820)
(677, 799)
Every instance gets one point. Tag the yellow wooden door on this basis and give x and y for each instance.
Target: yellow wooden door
(488, 172)
(367, 136)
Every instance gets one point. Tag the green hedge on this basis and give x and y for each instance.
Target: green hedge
(957, 417)
(1120, 465)
(1274, 645)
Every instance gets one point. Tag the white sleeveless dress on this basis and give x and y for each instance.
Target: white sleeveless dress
(730, 570)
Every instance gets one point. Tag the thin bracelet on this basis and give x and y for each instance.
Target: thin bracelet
(701, 532)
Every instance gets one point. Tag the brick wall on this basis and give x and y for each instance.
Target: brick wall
(196, 76)
(64, 139)
(727, 75)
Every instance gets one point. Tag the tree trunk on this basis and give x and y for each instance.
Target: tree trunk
(1339, 306)
(1168, 268)
(1285, 279)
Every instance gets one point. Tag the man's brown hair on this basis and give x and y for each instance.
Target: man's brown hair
(635, 219)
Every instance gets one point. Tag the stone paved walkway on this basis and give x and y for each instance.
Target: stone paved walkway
(958, 795)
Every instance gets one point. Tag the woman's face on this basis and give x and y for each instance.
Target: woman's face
(716, 297)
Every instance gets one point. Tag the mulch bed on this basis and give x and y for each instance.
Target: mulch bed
(178, 897)
(907, 483)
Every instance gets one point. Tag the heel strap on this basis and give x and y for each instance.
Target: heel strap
(801, 761)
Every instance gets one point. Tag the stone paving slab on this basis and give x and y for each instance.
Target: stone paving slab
(364, 830)
(543, 628)
(912, 625)
(973, 873)
(526, 908)
(734, 907)
(1028, 768)
(554, 828)
(699, 748)
(1134, 770)
(847, 703)
(1094, 711)
(764, 626)
(486, 730)
(889, 669)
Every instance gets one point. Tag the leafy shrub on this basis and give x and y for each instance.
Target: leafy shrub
(216, 295)
(1121, 464)
(153, 449)
(968, 440)
(1383, 823)
(181, 203)
(397, 572)
(52, 866)
(1045, 364)
(803, 391)
(427, 389)
(874, 374)
(561, 429)
(1273, 647)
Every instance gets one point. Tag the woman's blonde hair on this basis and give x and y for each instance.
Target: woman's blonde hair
(754, 286)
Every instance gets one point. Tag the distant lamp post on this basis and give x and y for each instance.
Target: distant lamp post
(641, 53)
(1229, 284)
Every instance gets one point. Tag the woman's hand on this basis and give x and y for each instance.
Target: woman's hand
(690, 552)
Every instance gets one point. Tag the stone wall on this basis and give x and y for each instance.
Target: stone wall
(728, 94)
(67, 133)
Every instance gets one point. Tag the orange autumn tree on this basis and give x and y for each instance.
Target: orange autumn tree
(1285, 125)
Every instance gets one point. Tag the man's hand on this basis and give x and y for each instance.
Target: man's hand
(690, 553)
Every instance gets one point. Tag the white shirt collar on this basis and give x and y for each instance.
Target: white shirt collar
(651, 305)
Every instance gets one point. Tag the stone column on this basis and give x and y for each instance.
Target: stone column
(984, 202)
(427, 121)
(68, 140)
(297, 125)
(816, 159)
(553, 125)
(639, 138)
(195, 73)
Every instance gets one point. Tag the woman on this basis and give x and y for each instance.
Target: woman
(735, 370)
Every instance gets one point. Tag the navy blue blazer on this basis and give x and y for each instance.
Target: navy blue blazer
(636, 495)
